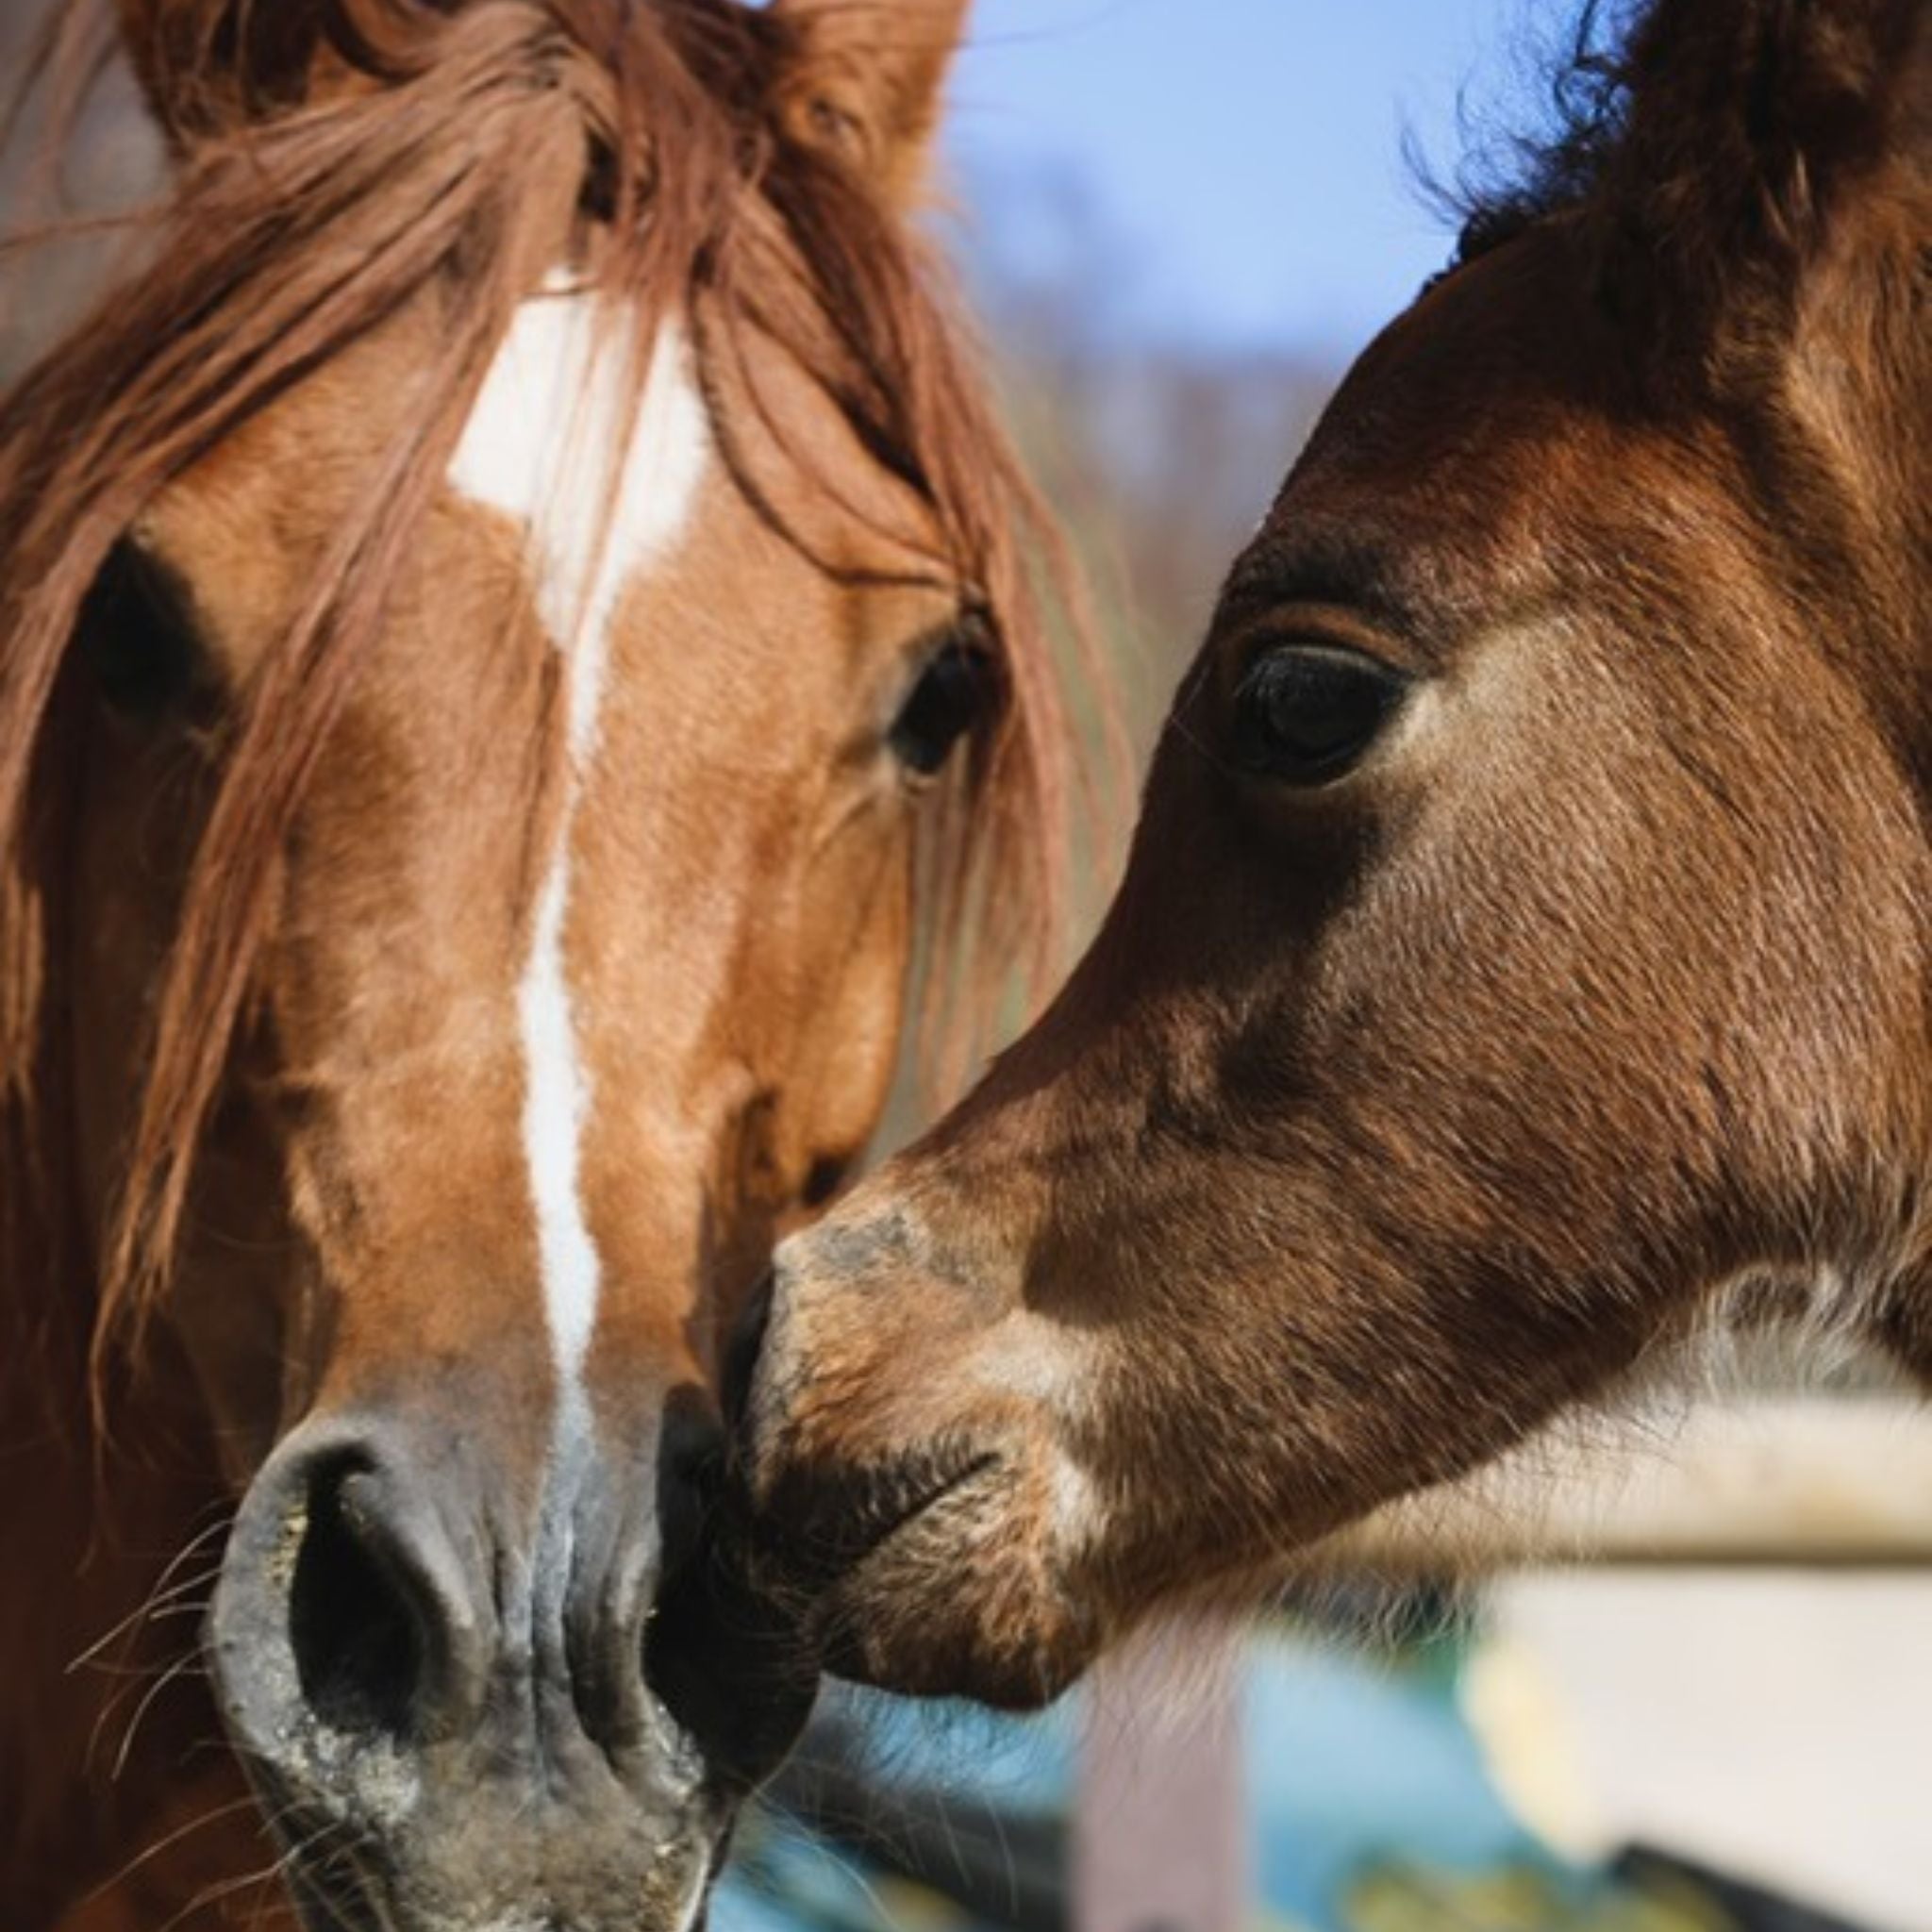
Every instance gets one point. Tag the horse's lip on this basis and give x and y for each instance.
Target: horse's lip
(334, 1893)
(851, 1522)
(333, 1902)
(334, 1905)
(942, 1490)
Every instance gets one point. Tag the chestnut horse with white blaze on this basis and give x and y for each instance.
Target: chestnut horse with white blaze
(1521, 977)
(511, 613)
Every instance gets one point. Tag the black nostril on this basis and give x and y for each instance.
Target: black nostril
(741, 1354)
(691, 1478)
(730, 1663)
(824, 1178)
(357, 1613)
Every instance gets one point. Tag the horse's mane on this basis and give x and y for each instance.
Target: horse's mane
(464, 133)
(1687, 145)
(1511, 180)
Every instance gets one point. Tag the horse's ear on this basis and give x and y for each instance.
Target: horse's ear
(867, 78)
(209, 65)
(1755, 128)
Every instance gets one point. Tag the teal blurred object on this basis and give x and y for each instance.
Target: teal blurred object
(1369, 1808)
(1351, 1765)
(970, 1802)
(1357, 1770)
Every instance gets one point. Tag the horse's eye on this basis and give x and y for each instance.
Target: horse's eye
(957, 692)
(137, 635)
(1304, 713)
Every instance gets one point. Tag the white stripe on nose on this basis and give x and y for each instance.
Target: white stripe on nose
(543, 445)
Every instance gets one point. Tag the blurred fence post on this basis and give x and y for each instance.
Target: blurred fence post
(1160, 1840)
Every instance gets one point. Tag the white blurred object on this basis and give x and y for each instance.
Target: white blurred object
(1798, 1479)
(1776, 1725)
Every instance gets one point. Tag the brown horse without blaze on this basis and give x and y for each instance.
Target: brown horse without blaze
(505, 613)
(1521, 974)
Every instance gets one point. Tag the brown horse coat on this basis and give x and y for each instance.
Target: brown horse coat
(511, 613)
(1522, 968)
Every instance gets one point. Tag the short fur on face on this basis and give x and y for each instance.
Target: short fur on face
(463, 854)
(1396, 1114)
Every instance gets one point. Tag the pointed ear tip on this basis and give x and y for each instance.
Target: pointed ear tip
(936, 21)
(900, 9)
(869, 77)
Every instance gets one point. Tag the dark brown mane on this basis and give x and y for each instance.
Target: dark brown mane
(297, 223)
(1512, 179)
(1677, 179)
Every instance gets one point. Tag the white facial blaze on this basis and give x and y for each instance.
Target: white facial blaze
(541, 446)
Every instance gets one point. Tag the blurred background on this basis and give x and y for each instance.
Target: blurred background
(1180, 221)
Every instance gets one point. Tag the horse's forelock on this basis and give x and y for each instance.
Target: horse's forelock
(1701, 152)
(290, 236)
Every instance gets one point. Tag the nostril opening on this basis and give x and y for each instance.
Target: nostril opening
(352, 1621)
(824, 1178)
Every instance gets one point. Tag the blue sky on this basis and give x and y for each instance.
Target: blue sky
(1244, 154)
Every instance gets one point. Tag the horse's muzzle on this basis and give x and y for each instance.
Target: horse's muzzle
(462, 1707)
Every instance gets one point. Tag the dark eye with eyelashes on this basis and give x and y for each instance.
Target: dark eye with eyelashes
(1306, 713)
(959, 691)
(137, 635)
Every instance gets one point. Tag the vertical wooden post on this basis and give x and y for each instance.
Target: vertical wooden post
(1161, 1838)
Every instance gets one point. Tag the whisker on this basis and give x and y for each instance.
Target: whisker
(272, 1873)
(176, 1672)
(226, 1888)
(155, 1609)
(174, 1837)
(133, 1676)
(164, 1586)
